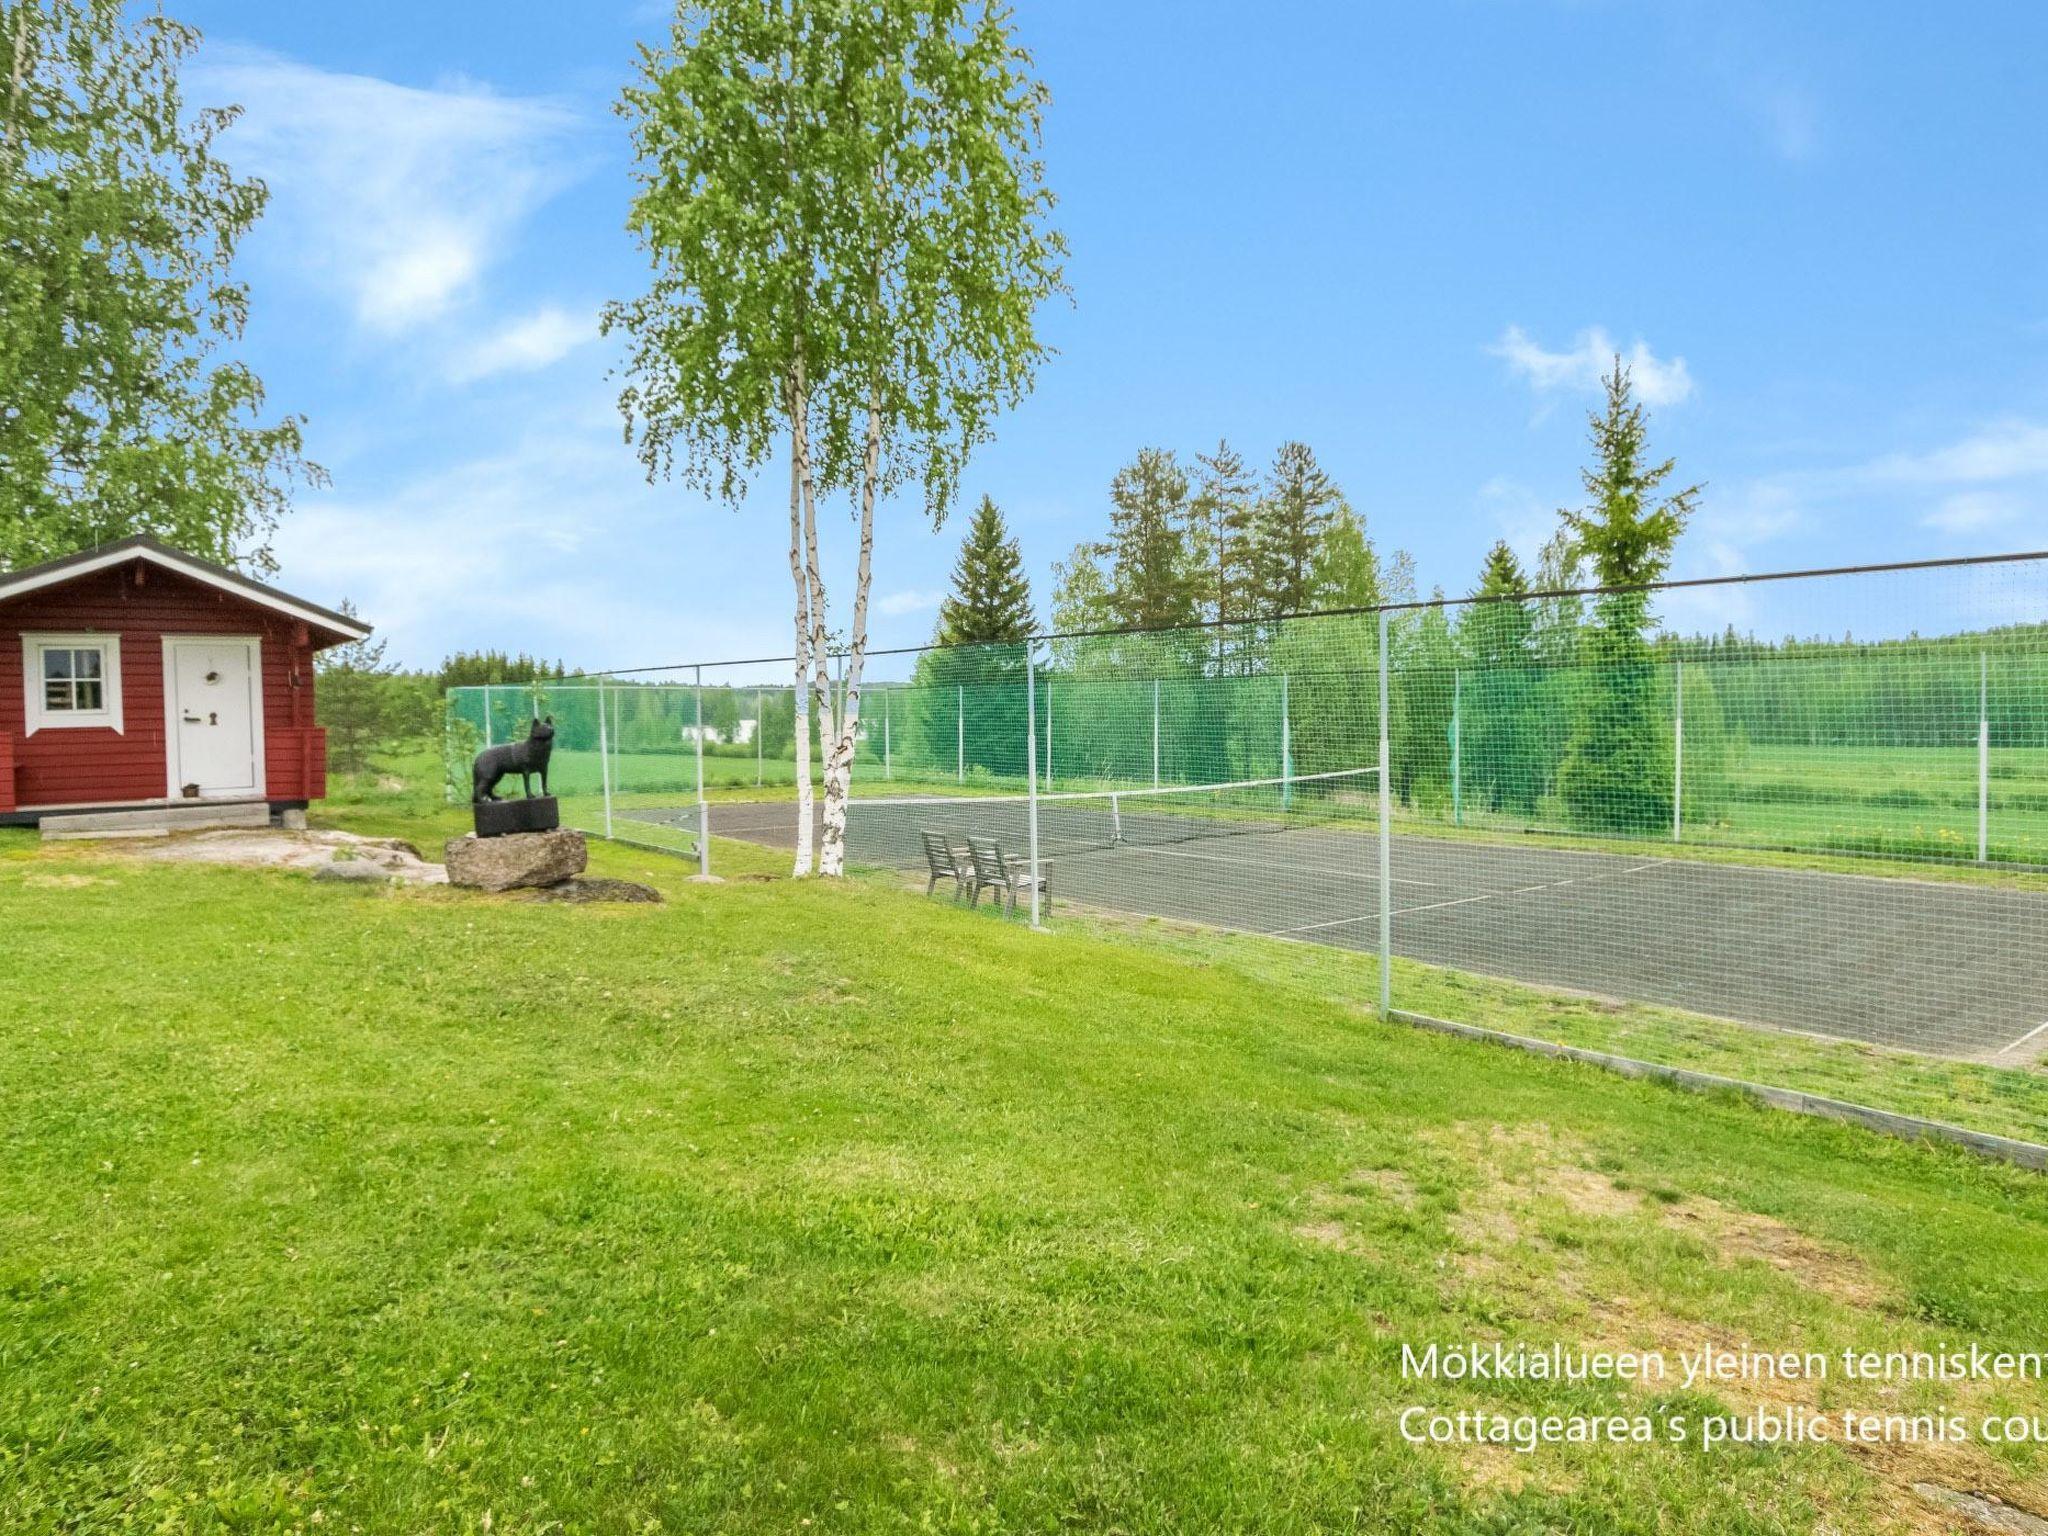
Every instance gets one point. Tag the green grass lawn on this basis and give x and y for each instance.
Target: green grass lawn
(404, 800)
(821, 1207)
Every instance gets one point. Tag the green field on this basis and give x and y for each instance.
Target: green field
(824, 1207)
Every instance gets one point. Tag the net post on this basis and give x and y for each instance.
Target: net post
(1386, 841)
(1116, 820)
(604, 758)
(1457, 747)
(760, 720)
(1031, 767)
(888, 749)
(1155, 733)
(487, 716)
(1983, 757)
(960, 733)
(1678, 750)
(703, 808)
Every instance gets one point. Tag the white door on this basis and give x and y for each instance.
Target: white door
(215, 721)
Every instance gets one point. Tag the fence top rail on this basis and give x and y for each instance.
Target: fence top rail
(1419, 605)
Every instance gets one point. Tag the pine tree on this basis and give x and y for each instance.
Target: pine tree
(1153, 583)
(1224, 524)
(1295, 512)
(991, 599)
(1617, 771)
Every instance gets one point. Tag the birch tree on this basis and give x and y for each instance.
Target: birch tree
(848, 227)
(121, 410)
(946, 253)
(734, 207)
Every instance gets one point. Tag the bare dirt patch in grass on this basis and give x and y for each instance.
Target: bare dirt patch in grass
(276, 848)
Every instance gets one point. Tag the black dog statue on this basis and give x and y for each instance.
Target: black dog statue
(524, 758)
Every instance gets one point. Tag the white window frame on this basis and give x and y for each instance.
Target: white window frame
(38, 717)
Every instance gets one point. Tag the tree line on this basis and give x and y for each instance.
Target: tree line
(1200, 581)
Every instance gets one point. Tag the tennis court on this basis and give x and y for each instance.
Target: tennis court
(1958, 969)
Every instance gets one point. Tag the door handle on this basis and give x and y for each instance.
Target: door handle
(194, 720)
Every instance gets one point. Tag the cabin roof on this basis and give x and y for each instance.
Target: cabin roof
(155, 552)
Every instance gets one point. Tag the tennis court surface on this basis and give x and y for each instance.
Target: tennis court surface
(1947, 967)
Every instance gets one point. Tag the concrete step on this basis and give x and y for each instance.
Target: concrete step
(155, 820)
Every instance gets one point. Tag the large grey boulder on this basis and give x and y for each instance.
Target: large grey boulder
(516, 860)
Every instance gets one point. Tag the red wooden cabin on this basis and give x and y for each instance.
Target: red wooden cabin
(135, 675)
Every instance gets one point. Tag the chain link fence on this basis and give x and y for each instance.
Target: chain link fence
(1815, 802)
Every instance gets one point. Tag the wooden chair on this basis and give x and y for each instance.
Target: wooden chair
(994, 871)
(945, 863)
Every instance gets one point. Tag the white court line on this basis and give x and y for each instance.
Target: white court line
(1466, 901)
(1217, 858)
(2023, 1039)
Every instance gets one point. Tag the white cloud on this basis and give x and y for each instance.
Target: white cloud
(1972, 512)
(394, 197)
(897, 605)
(542, 536)
(526, 345)
(2003, 450)
(1520, 516)
(1579, 368)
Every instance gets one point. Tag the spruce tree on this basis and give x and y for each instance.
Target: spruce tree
(1153, 583)
(1224, 523)
(1499, 691)
(991, 599)
(1495, 632)
(354, 697)
(1293, 516)
(1617, 769)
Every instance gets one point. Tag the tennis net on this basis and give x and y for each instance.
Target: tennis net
(1071, 822)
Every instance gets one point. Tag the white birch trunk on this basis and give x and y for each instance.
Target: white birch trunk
(822, 698)
(839, 765)
(799, 457)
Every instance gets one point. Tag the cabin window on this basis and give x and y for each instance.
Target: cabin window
(72, 680)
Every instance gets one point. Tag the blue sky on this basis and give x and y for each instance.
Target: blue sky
(1406, 234)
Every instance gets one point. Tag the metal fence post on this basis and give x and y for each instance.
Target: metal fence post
(760, 720)
(1048, 734)
(1386, 841)
(1031, 767)
(487, 716)
(1678, 750)
(1155, 733)
(1983, 757)
(604, 758)
(703, 807)
(1457, 747)
(960, 732)
(1286, 748)
(888, 750)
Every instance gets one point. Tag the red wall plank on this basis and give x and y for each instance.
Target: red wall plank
(60, 767)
